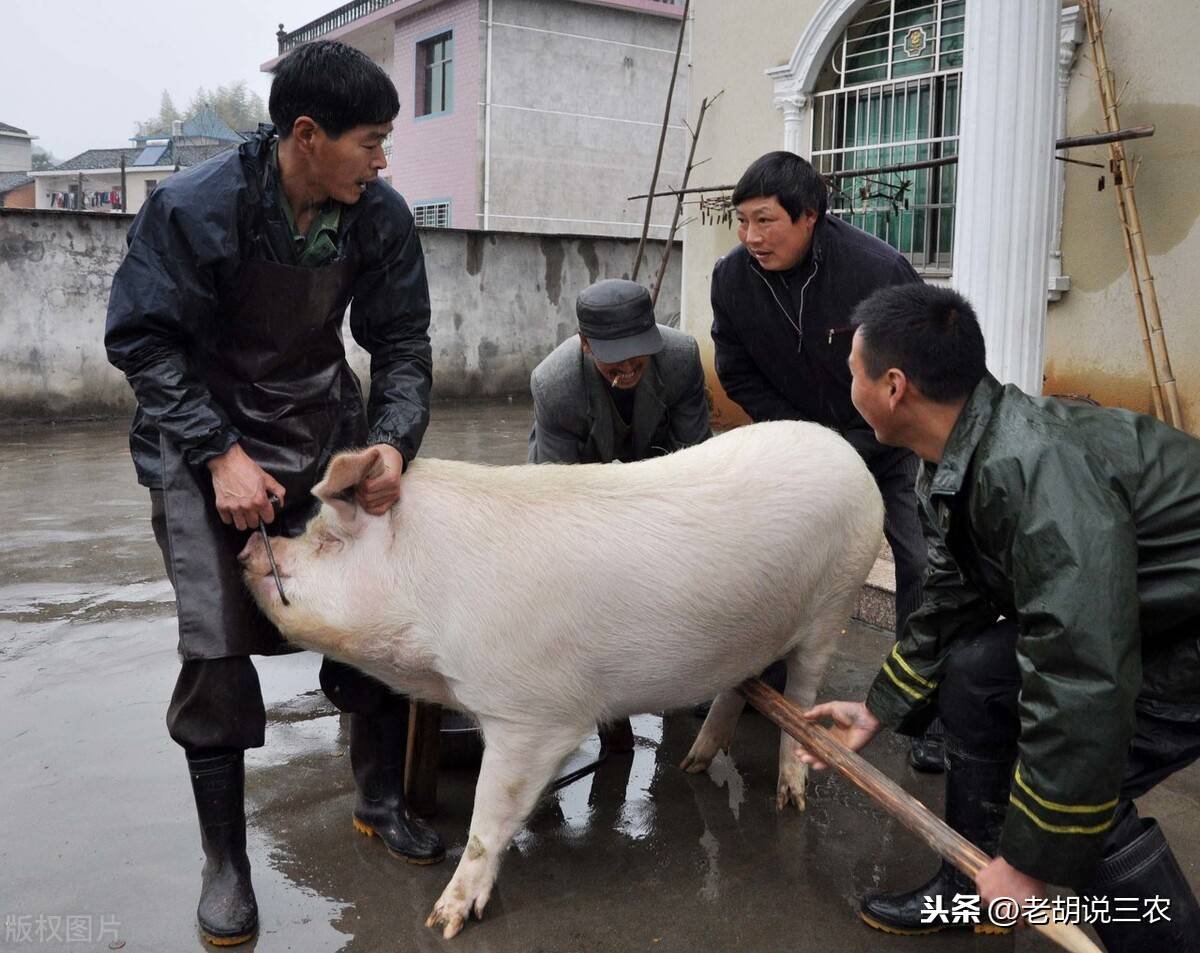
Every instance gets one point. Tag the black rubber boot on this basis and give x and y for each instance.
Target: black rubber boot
(927, 753)
(377, 745)
(976, 798)
(227, 913)
(616, 737)
(1142, 866)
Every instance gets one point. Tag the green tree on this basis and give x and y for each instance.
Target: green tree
(42, 159)
(237, 104)
(161, 123)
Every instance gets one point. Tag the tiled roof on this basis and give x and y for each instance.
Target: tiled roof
(13, 180)
(98, 159)
(111, 158)
(5, 127)
(194, 155)
(207, 123)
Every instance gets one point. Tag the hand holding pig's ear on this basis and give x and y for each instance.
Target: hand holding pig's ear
(853, 725)
(242, 489)
(381, 487)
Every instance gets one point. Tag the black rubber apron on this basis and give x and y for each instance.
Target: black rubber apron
(277, 366)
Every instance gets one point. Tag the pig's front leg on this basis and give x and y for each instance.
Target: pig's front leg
(518, 763)
(716, 734)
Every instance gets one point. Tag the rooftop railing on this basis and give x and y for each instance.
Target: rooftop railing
(347, 14)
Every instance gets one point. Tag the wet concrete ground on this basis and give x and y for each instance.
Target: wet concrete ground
(97, 822)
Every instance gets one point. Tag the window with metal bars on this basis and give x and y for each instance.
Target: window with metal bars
(431, 214)
(889, 95)
(435, 75)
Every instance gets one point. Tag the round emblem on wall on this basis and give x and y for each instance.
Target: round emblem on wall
(915, 42)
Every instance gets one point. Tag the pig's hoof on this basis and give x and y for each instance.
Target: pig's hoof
(702, 754)
(453, 909)
(792, 781)
(451, 922)
(695, 764)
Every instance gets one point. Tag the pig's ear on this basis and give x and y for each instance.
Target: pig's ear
(345, 472)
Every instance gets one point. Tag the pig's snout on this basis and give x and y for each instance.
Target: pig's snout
(253, 556)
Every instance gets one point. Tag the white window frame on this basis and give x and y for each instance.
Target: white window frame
(795, 82)
(432, 213)
(859, 91)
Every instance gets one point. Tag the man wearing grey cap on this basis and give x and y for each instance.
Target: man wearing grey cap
(625, 388)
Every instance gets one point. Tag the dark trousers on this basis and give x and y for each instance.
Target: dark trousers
(895, 472)
(977, 701)
(218, 704)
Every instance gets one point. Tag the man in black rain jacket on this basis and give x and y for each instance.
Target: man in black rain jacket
(226, 318)
(781, 304)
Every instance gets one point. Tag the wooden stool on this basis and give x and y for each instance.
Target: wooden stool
(421, 758)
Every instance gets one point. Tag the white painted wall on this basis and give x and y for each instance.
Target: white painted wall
(15, 153)
(109, 180)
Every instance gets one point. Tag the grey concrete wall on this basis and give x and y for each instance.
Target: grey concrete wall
(577, 101)
(501, 302)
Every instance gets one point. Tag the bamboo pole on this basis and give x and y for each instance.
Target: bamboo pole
(662, 139)
(1140, 306)
(1068, 142)
(687, 174)
(1131, 224)
(894, 799)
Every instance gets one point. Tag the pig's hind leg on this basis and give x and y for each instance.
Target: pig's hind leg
(716, 734)
(518, 762)
(806, 665)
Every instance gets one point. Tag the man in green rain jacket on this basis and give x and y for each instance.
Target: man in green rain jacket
(1059, 637)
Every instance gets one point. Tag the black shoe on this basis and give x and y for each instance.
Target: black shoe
(976, 799)
(227, 913)
(1140, 865)
(927, 753)
(377, 744)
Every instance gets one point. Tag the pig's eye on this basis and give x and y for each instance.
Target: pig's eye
(328, 543)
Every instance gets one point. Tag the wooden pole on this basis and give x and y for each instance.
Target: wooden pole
(662, 139)
(687, 174)
(1131, 224)
(894, 799)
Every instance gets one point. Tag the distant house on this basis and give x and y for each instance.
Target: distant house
(523, 115)
(95, 180)
(16, 148)
(16, 190)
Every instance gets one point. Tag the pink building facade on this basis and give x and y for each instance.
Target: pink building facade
(435, 157)
(565, 129)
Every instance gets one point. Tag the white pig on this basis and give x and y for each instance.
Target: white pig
(545, 599)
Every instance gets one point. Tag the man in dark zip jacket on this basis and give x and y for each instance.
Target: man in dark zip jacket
(226, 318)
(1078, 528)
(781, 304)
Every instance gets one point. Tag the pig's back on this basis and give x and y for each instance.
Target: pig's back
(644, 580)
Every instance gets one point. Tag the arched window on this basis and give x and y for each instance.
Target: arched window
(889, 94)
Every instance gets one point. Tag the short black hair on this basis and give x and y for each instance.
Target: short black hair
(335, 85)
(929, 333)
(796, 185)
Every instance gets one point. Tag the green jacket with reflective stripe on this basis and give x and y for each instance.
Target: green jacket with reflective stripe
(1084, 525)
